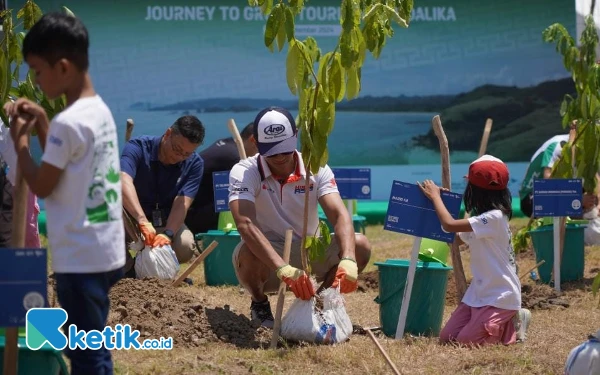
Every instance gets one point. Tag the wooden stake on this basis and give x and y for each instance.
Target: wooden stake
(20, 192)
(459, 273)
(383, 352)
(287, 247)
(485, 137)
(129, 129)
(195, 263)
(531, 269)
(237, 138)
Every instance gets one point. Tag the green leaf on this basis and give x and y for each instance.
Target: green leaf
(273, 25)
(309, 241)
(405, 9)
(596, 284)
(337, 78)
(325, 233)
(350, 14)
(30, 13)
(289, 24)
(372, 11)
(281, 36)
(391, 12)
(5, 78)
(353, 84)
(266, 6)
(325, 115)
(294, 64)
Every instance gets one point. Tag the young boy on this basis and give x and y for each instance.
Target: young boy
(78, 178)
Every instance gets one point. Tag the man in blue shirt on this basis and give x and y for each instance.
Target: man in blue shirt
(160, 177)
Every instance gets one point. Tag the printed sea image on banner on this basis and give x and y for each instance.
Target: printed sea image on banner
(466, 60)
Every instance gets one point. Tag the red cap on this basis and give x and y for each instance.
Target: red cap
(489, 173)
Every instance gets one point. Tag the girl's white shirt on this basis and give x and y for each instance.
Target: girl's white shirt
(495, 281)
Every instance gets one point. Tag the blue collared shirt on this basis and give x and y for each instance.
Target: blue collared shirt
(156, 183)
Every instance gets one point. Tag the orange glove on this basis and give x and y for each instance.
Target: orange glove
(148, 232)
(346, 276)
(297, 280)
(161, 240)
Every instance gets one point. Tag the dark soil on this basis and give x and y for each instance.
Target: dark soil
(157, 309)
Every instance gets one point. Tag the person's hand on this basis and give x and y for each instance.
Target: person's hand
(24, 106)
(297, 280)
(346, 276)
(20, 126)
(161, 240)
(148, 232)
(430, 189)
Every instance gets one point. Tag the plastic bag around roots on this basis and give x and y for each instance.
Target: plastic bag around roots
(160, 262)
(320, 320)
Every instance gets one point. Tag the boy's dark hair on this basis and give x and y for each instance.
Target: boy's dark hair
(247, 131)
(190, 127)
(58, 36)
(478, 200)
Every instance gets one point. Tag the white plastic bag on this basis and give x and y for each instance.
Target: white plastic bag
(305, 322)
(160, 262)
(584, 359)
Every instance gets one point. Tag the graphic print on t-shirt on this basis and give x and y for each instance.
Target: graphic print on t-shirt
(103, 203)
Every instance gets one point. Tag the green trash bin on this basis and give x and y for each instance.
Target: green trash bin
(573, 259)
(360, 223)
(218, 265)
(427, 300)
(45, 361)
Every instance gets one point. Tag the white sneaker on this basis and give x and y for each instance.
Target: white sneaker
(521, 322)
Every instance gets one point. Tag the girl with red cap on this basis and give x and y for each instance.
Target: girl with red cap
(490, 311)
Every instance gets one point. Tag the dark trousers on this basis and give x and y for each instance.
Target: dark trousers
(84, 296)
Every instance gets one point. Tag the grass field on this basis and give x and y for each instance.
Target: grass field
(554, 331)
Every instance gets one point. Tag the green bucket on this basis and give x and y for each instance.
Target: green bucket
(45, 361)
(573, 260)
(434, 251)
(226, 222)
(218, 265)
(359, 222)
(427, 299)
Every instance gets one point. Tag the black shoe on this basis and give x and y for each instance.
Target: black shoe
(262, 312)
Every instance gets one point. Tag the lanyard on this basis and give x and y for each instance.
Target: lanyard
(156, 194)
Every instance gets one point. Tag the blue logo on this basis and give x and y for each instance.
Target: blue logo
(274, 129)
(43, 325)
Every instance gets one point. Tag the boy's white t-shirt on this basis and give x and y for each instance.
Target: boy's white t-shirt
(85, 224)
(495, 281)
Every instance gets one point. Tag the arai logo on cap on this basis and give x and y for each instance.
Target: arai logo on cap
(274, 129)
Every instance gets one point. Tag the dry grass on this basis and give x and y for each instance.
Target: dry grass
(552, 334)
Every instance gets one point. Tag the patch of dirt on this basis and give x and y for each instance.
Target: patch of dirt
(542, 297)
(368, 280)
(157, 309)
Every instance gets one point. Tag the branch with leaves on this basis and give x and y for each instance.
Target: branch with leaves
(320, 80)
(11, 60)
(581, 63)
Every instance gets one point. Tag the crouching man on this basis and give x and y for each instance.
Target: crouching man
(266, 197)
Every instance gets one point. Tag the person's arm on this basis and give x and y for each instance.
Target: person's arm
(42, 180)
(337, 214)
(131, 201)
(449, 224)
(547, 172)
(244, 180)
(185, 196)
(244, 215)
(131, 157)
